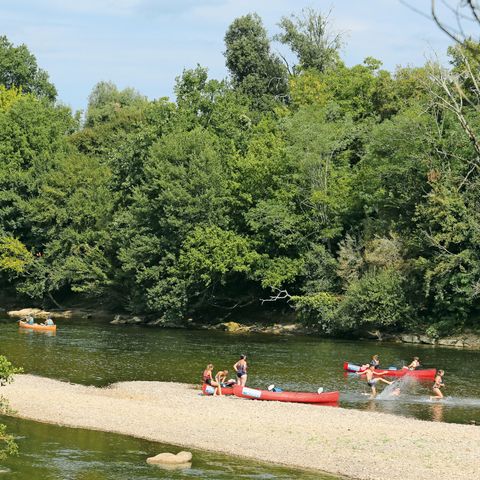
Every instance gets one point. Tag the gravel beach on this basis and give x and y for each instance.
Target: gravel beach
(356, 444)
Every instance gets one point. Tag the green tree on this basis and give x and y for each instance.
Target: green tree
(18, 68)
(308, 35)
(253, 67)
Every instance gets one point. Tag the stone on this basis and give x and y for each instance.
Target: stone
(233, 327)
(118, 320)
(448, 341)
(25, 312)
(166, 458)
(409, 338)
(134, 321)
(427, 340)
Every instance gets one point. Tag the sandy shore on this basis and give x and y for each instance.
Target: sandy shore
(353, 443)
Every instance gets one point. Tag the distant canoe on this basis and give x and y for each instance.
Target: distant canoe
(428, 373)
(36, 326)
(294, 397)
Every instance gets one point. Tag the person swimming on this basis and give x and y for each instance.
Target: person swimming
(241, 370)
(373, 378)
(437, 385)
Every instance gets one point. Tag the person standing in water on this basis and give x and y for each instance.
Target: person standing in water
(241, 369)
(437, 385)
(373, 378)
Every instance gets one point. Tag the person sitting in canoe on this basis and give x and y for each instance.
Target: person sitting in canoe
(208, 379)
(221, 378)
(437, 385)
(414, 364)
(373, 378)
(48, 322)
(30, 320)
(375, 361)
(241, 370)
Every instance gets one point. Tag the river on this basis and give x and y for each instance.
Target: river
(93, 352)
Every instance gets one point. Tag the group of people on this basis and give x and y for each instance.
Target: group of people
(373, 377)
(220, 379)
(31, 321)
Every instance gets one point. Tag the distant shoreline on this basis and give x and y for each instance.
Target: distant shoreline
(328, 439)
(466, 340)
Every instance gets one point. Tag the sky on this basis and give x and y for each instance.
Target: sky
(145, 44)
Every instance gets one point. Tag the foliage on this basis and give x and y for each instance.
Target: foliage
(351, 189)
(254, 69)
(14, 257)
(18, 68)
(7, 442)
(309, 38)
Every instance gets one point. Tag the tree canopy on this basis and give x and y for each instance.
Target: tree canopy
(351, 189)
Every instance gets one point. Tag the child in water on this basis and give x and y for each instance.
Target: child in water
(372, 381)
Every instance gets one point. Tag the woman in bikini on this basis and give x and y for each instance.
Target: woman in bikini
(208, 380)
(241, 369)
(437, 385)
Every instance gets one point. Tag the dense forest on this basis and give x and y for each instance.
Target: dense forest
(350, 194)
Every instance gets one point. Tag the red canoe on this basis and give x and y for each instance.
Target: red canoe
(297, 397)
(209, 390)
(425, 373)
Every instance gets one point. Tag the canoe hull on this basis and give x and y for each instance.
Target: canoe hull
(401, 372)
(41, 328)
(294, 397)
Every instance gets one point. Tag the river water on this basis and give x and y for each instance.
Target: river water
(95, 353)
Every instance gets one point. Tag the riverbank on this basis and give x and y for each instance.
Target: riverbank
(467, 340)
(329, 439)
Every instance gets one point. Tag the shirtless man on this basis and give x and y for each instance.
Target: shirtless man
(373, 378)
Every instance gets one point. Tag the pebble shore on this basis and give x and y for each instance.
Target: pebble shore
(351, 443)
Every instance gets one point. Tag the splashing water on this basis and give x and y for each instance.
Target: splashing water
(397, 388)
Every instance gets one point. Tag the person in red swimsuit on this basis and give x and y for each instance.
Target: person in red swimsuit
(208, 379)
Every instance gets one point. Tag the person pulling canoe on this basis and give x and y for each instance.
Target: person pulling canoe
(221, 378)
(241, 370)
(373, 378)
(437, 385)
(207, 378)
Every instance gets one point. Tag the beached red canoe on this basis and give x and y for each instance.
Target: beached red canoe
(209, 390)
(296, 397)
(400, 372)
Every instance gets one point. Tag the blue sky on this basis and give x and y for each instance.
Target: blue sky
(145, 44)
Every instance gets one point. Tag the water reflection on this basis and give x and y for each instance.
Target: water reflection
(437, 412)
